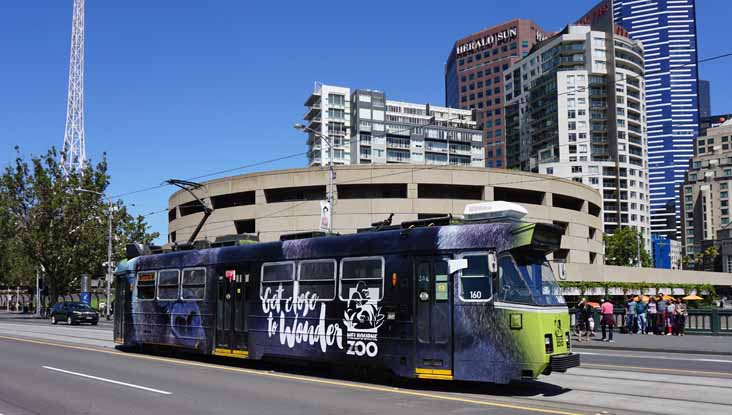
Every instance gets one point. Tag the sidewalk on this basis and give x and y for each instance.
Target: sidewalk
(696, 344)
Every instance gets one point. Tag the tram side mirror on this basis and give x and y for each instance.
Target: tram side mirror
(492, 262)
(455, 265)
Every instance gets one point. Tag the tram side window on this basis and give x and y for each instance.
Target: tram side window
(317, 278)
(145, 285)
(362, 278)
(475, 280)
(512, 286)
(276, 275)
(193, 284)
(168, 284)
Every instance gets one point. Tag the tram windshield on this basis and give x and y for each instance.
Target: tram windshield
(527, 278)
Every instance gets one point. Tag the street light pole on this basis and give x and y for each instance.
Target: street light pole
(331, 170)
(109, 259)
(109, 249)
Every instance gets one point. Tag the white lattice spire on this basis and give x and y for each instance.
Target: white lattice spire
(74, 156)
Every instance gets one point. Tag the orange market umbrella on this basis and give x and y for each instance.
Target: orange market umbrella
(692, 297)
(667, 297)
(593, 304)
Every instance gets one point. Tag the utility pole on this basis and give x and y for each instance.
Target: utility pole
(637, 245)
(38, 293)
(109, 259)
(331, 171)
(109, 246)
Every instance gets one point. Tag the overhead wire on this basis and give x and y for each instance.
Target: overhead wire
(543, 178)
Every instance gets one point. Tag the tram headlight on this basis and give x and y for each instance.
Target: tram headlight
(548, 344)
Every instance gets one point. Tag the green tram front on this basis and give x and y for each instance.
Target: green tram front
(474, 300)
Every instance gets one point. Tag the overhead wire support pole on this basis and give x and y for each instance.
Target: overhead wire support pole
(110, 271)
(331, 171)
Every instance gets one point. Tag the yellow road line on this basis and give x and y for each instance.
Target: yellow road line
(303, 378)
(658, 369)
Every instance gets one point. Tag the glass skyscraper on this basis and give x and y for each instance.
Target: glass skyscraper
(667, 29)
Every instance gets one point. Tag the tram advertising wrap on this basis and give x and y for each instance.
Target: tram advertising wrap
(470, 302)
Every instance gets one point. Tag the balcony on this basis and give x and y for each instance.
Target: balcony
(312, 112)
(314, 98)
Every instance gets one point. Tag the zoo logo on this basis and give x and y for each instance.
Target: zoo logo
(362, 319)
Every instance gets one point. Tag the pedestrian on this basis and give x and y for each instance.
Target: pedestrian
(607, 320)
(641, 308)
(661, 306)
(671, 317)
(652, 311)
(584, 319)
(682, 312)
(630, 316)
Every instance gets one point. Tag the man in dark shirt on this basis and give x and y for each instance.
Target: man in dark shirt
(661, 307)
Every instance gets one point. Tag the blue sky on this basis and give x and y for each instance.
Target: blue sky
(181, 88)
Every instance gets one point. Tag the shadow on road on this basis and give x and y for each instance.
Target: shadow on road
(524, 388)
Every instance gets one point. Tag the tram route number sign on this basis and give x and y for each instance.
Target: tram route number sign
(230, 275)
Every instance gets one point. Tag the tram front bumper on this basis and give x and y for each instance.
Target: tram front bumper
(560, 363)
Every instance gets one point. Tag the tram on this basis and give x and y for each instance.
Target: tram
(472, 300)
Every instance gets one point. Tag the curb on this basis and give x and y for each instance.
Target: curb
(645, 349)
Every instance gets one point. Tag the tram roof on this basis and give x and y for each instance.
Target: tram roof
(420, 241)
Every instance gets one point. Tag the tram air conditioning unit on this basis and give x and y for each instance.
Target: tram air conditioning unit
(494, 212)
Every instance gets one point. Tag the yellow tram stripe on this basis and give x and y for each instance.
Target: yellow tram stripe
(420, 370)
(430, 376)
(242, 354)
(305, 379)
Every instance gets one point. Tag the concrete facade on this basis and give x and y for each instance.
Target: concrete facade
(705, 191)
(287, 201)
(365, 127)
(575, 108)
(473, 77)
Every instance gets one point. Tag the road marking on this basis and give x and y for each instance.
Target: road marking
(116, 382)
(655, 357)
(714, 360)
(304, 378)
(656, 369)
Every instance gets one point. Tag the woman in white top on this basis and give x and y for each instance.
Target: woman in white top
(670, 311)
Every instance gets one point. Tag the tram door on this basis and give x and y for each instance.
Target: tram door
(123, 297)
(231, 312)
(433, 318)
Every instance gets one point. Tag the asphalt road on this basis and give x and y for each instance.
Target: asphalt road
(43, 371)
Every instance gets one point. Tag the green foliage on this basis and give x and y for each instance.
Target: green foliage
(621, 248)
(47, 223)
(702, 260)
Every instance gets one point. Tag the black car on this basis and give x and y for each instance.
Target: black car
(74, 313)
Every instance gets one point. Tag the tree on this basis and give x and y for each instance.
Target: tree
(48, 223)
(621, 248)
